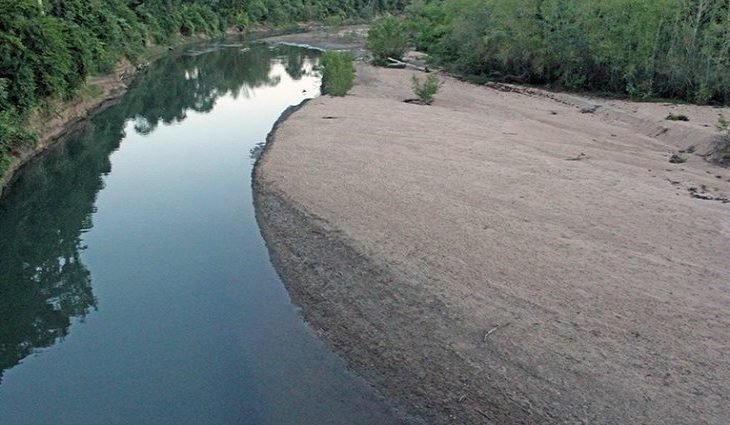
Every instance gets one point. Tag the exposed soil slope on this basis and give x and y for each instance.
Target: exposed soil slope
(69, 114)
(509, 255)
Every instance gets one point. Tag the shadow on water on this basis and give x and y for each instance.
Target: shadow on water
(44, 285)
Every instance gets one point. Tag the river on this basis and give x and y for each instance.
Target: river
(135, 287)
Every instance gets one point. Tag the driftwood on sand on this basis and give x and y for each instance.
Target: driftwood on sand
(395, 63)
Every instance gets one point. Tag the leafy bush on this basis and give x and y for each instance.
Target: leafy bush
(722, 155)
(334, 21)
(387, 38)
(12, 135)
(241, 21)
(425, 90)
(338, 73)
(723, 125)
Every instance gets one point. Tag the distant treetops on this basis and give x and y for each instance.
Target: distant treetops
(641, 48)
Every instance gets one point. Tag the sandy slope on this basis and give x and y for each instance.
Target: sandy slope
(502, 256)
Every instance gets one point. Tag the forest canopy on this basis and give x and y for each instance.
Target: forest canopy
(676, 49)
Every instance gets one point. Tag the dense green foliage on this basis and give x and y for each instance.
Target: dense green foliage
(338, 73)
(643, 48)
(427, 89)
(387, 37)
(49, 47)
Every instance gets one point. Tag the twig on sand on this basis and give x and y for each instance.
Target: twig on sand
(493, 330)
(482, 413)
(577, 158)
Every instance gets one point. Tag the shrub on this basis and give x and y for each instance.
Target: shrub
(241, 21)
(12, 135)
(427, 89)
(723, 124)
(387, 38)
(338, 73)
(722, 155)
(334, 21)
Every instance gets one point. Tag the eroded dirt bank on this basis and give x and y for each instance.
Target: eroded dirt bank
(506, 256)
(67, 116)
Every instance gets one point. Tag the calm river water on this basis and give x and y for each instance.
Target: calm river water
(135, 287)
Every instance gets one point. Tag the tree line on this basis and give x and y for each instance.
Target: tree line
(49, 47)
(677, 49)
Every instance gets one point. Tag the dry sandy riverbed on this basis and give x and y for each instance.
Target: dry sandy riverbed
(503, 257)
(350, 37)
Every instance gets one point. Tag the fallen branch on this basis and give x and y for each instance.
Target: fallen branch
(493, 330)
(409, 65)
(482, 413)
(578, 158)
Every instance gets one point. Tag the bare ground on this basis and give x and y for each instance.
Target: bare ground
(349, 37)
(508, 255)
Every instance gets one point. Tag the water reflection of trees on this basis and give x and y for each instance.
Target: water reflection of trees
(195, 82)
(295, 64)
(43, 283)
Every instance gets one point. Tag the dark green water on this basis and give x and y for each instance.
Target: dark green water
(135, 287)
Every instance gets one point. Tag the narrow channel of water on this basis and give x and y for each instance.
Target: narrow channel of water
(135, 287)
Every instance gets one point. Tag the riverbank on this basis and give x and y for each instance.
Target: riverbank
(110, 218)
(508, 255)
(60, 118)
(64, 117)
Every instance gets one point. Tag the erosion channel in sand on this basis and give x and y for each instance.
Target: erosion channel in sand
(508, 254)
